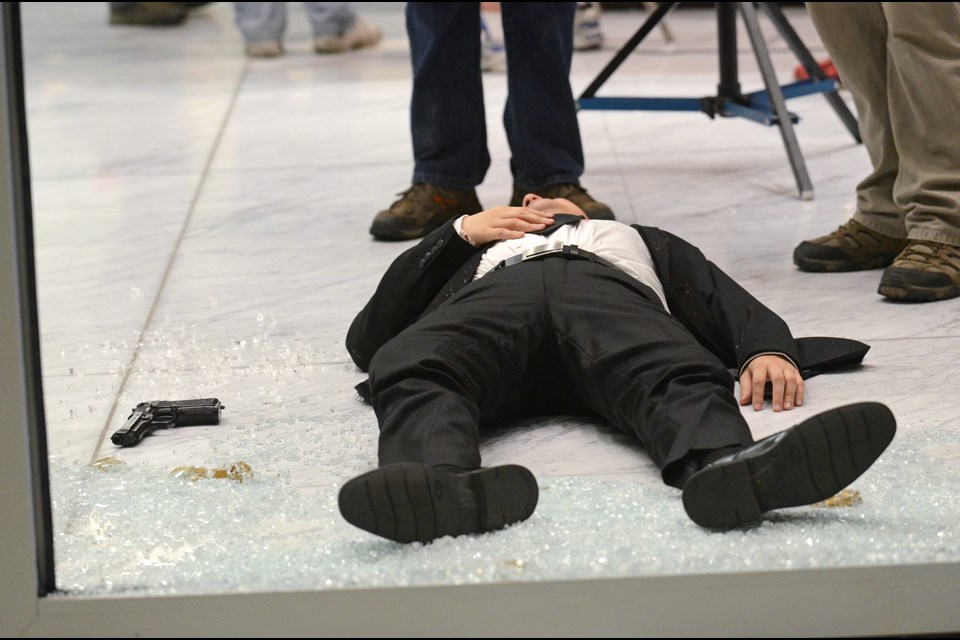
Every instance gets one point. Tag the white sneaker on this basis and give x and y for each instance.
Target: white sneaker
(264, 49)
(361, 34)
(586, 27)
(493, 54)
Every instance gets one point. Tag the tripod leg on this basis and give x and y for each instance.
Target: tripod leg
(777, 100)
(663, 8)
(810, 64)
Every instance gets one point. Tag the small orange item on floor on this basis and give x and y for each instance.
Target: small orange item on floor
(827, 65)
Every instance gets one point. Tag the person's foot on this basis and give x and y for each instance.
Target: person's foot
(808, 463)
(421, 209)
(493, 52)
(572, 192)
(361, 34)
(852, 247)
(923, 272)
(264, 49)
(150, 14)
(413, 502)
(587, 33)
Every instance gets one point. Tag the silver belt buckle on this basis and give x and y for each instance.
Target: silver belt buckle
(542, 250)
(532, 253)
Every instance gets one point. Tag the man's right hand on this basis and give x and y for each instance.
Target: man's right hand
(503, 223)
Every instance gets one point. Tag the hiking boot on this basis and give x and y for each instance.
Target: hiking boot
(421, 209)
(151, 14)
(361, 34)
(852, 247)
(924, 272)
(803, 465)
(414, 502)
(572, 192)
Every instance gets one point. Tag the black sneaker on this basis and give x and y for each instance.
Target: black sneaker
(852, 247)
(572, 192)
(413, 502)
(923, 272)
(421, 209)
(808, 463)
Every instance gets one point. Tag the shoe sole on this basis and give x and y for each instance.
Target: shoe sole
(410, 502)
(388, 231)
(897, 287)
(809, 463)
(836, 266)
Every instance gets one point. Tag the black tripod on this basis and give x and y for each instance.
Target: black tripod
(766, 107)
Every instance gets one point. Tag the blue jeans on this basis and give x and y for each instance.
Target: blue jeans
(447, 113)
(260, 21)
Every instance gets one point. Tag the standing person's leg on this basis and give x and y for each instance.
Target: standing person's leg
(262, 25)
(338, 28)
(447, 121)
(923, 80)
(474, 360)
(540, 116)
(855, 35)
(447, 118)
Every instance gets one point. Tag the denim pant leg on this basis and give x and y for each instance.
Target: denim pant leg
(447, 119)
(540, 116)
(330, 18)
(261, 21)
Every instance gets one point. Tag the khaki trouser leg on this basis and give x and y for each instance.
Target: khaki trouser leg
(901, 63)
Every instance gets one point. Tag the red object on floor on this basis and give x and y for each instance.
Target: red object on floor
(827, 65)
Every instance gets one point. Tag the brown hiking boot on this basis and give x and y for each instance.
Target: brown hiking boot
(852, 247)
(572, 192)
(151, 14)
(421, 209)
(924, 272)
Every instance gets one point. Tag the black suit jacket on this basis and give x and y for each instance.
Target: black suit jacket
(720, 314)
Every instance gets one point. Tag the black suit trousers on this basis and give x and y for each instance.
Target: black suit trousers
(554, 336)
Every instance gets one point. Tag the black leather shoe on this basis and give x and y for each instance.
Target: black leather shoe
(807, 463)
(413, 502)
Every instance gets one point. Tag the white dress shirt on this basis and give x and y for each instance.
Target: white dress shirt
(613, 241)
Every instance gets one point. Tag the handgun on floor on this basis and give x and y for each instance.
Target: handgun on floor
(163, 414)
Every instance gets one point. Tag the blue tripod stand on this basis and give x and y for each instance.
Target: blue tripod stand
(766, 107)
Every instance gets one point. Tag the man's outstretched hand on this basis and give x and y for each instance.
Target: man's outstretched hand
(786, 381)
(503, 223)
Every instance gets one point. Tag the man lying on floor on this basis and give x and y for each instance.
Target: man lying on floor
(516, 312)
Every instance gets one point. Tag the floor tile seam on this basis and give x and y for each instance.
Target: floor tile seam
(130, 366)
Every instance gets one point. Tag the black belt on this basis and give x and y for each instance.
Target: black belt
(554, 249)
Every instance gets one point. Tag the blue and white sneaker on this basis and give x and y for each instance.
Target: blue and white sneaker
(587, 33)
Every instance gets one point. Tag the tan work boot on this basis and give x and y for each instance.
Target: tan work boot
(421, 209)
(924, 272)
(852, 247)
(572, 192)
(361, 34)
